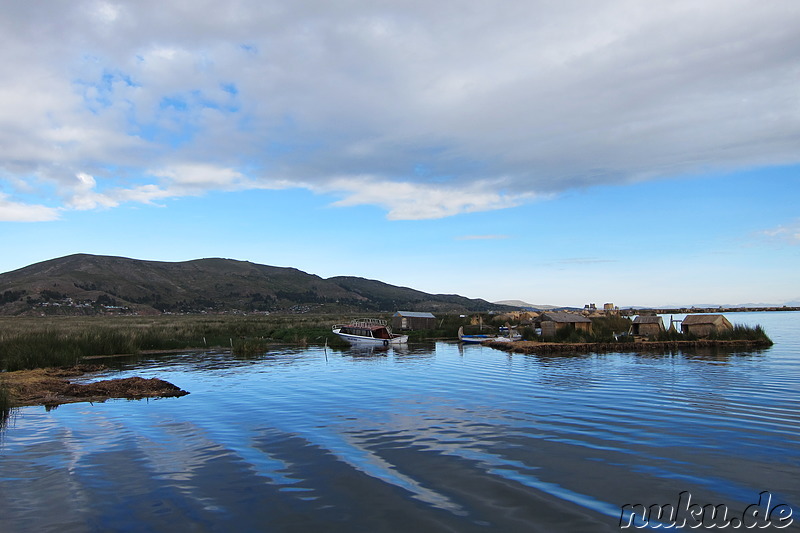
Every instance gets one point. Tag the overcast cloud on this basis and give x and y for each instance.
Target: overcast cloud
(460, 105)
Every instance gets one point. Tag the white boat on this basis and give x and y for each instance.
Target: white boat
(368, 331)
(507, 334)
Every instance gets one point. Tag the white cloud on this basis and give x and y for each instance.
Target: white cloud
(789, 233)
(410, 201)
(19, 212)
(540, 97)
(82, 196)
(188, 178)
(145, 194)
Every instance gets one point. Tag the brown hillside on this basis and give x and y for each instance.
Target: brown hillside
(92, 284)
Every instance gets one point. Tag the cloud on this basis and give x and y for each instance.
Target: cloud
(788, 234)
(171, 182)
(194, 178)
(19, 212)
(412, 201)
(422, 109)
(84, 197)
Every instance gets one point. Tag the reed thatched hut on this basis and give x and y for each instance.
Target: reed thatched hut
(647, 325)
(552, 321)
(705, 325)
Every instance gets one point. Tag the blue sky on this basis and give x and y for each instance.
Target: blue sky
(556, 153)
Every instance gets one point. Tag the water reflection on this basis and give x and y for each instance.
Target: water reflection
(5, 416)
(364, 352)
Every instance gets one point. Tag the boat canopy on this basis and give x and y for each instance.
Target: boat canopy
(377, 332)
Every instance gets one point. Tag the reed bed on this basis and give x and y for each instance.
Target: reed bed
(32, 342)
(738, 333)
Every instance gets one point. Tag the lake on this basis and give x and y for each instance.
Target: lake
(432, 437)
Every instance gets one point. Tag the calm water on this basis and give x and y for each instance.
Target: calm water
(435, 437)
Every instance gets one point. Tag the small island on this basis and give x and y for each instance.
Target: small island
(53, 386)
(539, 347)
(573, 333)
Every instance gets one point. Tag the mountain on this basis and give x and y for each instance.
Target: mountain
(92, 284)
(525, 305)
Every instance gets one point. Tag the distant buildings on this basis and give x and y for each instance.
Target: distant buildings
(608, 309)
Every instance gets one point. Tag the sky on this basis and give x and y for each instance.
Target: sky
(562, 153)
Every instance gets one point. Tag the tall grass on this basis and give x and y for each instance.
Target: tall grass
(605, 328)
(31, 342)
(741, 332)
(54, 347)
(738, 333)
(37, 349)
(28, 342)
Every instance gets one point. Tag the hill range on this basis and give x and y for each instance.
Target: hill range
(84, 284)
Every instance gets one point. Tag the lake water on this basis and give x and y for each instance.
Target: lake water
(433, 437)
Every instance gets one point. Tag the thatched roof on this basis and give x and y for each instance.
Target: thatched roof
(562, 317)
(647, 320)
(703, 319)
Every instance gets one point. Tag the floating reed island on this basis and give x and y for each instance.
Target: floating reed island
(571, 333)
(538, 347)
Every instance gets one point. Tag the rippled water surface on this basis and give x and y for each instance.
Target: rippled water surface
(433, 437)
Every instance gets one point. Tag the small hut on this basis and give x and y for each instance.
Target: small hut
(705, 325)
(647, 325)
(552, 321)
(412, 320)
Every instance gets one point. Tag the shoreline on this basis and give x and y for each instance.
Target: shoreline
(628, 311)
(536, 347)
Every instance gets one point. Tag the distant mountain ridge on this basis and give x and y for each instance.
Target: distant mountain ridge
(92, 284)
(525, 305)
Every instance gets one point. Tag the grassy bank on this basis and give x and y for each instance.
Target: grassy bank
(34, 342)
(27, 342)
